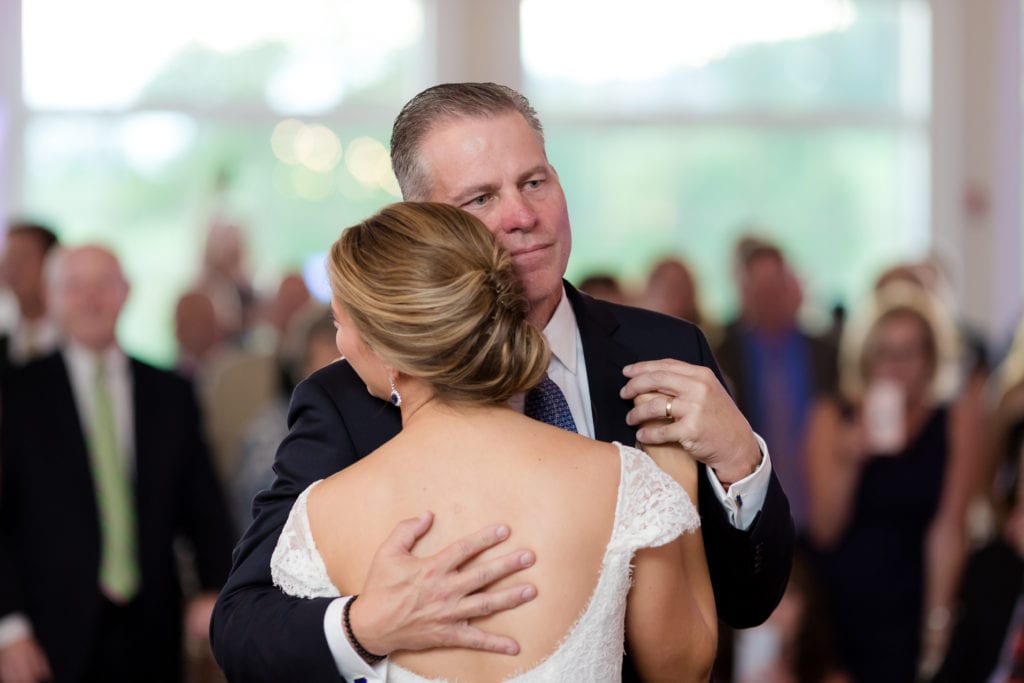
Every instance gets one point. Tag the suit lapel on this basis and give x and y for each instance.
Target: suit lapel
(65, 410)
(71, 446)
(141, 412)
(605, 358)
(148, 471)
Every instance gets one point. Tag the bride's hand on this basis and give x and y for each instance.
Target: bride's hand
(695, 410)
(671, 457)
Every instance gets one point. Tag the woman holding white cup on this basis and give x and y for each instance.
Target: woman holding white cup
(889, 471)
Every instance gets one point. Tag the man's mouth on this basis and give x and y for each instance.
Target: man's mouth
(526, 251)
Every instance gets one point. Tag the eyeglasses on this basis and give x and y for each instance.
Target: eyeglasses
(897, 353)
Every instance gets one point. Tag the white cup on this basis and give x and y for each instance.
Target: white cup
(885, 417)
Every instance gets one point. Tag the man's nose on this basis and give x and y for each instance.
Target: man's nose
(517, 214)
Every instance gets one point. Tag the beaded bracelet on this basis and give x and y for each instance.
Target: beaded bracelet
(356, 645)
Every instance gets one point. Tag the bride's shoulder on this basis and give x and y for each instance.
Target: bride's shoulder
(331, 495)
(598, 454)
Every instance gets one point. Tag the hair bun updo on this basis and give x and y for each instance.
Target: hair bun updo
(429, 289)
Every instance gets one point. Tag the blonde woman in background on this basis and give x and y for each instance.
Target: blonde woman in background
(1004, 442)
(890, 471)
(430, 314)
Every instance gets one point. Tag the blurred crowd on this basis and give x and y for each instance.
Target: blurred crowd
(896, 435)
(175, 456)
(898, 439)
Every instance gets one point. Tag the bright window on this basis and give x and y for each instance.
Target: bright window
(306, 57)
(677, 126)
(277, 118)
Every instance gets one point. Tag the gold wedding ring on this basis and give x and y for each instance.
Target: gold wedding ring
(668, 409)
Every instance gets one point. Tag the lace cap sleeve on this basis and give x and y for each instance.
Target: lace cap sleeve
(296, 566)
(653, 509)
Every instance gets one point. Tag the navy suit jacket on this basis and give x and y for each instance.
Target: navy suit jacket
(260, 634)
(49, 524)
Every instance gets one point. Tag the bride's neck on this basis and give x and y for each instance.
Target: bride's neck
(420, 410)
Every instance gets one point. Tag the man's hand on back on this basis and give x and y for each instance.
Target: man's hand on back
(413, 603)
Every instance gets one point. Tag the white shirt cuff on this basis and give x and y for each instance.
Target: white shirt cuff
(350, 665)
(745, 498)
(14, 627)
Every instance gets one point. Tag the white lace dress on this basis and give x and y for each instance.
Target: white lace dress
(652, 510)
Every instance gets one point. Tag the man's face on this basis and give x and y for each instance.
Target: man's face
(22, 265)
(496, 169)
(899, 350)
(768, 295)
(89, 295)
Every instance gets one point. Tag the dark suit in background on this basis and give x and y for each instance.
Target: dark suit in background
(993, 583)
(49, 525)
(260, 634)
(5, 354)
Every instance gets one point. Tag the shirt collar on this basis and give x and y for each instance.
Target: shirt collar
(83, 360)
(561, 334)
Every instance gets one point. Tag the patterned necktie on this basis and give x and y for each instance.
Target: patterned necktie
(119, 571)
(546, 402)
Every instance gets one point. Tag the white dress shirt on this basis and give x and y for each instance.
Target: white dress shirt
(568, 369)
(81, 364)
(32, 339)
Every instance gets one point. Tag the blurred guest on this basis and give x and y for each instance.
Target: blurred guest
(930, 274)
(889, 462)
(1005, 429)
(603, 286)
(104, 467)
(671, 289)
(233, 383)
(796, 644)
(987, 645)
(21, 267)
(307, 346)
(241, 380)
(776, 368)
(225, 277)
(291, 297)
(197, 332)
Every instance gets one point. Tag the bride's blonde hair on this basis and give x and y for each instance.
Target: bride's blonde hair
(431, 291)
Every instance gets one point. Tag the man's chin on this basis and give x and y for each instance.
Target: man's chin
(542, 302)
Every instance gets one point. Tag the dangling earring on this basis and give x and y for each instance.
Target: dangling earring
(396, 398)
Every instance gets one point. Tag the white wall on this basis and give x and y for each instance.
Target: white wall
(976, 154)
(11, 110)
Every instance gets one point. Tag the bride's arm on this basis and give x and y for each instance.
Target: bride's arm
(671, 623)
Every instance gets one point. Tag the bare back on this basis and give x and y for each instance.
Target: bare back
(554, 489)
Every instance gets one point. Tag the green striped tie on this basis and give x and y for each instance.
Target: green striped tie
(119, 571)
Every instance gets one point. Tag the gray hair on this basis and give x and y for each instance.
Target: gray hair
(443, 103)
